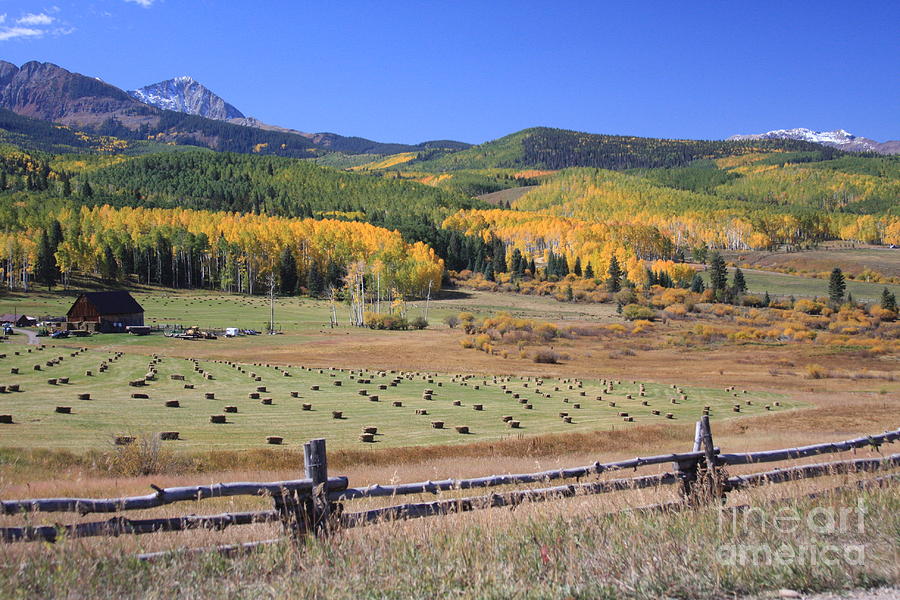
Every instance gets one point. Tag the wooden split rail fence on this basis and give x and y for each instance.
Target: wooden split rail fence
(316, 505)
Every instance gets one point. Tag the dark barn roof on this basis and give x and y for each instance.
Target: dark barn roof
(112, 303)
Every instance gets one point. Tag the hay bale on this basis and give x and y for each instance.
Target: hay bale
(421, 411)
(84, 396)
(124, 440)
(337, 414)
(736, 409)
(189, 386)
(217, 419)
(478, 406)
(37, 367)
(645, 403)
(173, 404)
(335, 383)
(462, 429)
(176, 377)
(777, 403)
(373, 398)
(506, 418)
(52, 381)
(2, 389)
(14, 371)
(307, 406)
(654, 412)
(567, 419)
(274, 439)
(426, 396)
(366, 437)
(529, 406)
(140, 396)
(457, 403)
(670, 416)
(523, 400)
(623, 414)
(254, 395)
(563, 415)
(63, 380)
(260, 388)
(231, 409)
(370, 429)
(266, 401)
(210, 395)
(576, 405)
(6, 419)
(168, 435)
(513, 424)
(64, 410)
(628, 419)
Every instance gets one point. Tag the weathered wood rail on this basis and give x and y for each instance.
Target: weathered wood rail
(316, 504)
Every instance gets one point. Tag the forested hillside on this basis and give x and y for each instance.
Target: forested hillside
(545, 148)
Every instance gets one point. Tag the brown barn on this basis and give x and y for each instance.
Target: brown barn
(18, 320)
(106, 312)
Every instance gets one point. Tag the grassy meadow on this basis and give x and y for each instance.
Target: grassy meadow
(366, 399)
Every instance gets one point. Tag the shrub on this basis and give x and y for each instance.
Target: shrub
(451, 321)
(547, 356)
(808, 306)
(636, 311)
(676, 310)
(626, 296)
(750, 300)
(815, 371)
(419, 323)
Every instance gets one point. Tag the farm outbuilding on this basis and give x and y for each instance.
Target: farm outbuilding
(18, 320)
(107, 312)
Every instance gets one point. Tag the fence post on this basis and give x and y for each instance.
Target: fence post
(315, 461)
(714, 485)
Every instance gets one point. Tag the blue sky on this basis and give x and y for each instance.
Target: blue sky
(476, 70)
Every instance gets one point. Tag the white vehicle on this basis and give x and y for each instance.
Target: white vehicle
(231, 331)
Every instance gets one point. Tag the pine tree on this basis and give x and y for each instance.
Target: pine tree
(576, 269)
(314, 283)
(718, 273)
(109, 268)
(287, 272)
(86, 190)
(888, 300)
(836, 286)
(56, 235)
(766, 299)
(614, 283)
(532, 267)
(697, 285)
(589, 271)
(46, 270)
(738, 282)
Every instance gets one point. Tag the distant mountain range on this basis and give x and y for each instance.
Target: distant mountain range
(183, 111)
(836, 139)
(48, 92)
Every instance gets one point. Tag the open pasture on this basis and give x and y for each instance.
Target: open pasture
(137, 394)
(783, 284)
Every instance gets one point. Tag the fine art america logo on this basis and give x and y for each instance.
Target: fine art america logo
(785, 543)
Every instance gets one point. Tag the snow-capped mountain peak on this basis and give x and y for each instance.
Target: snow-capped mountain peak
(185, 94)
(839, 138)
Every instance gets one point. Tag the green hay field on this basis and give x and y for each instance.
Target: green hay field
(111, 411)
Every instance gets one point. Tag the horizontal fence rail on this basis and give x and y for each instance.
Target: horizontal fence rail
(163, 496)
(804, 451)
(435, 487)
(315, 504)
